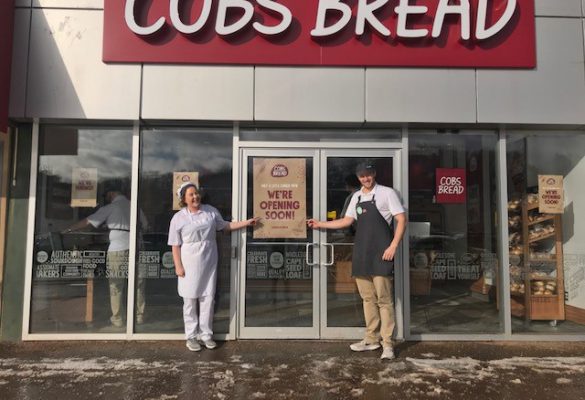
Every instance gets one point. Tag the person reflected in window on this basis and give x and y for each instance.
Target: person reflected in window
(373, 207)
(115, 215)
(352, 185)
(192, 236)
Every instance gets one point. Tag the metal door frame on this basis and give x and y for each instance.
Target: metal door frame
(356, 333)
(277, 332)
(320, 152)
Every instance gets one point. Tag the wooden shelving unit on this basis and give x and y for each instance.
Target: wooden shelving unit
(536, 253)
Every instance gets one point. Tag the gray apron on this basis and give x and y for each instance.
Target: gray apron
(373, 236)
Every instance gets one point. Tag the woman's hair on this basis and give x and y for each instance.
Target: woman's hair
(184, 191)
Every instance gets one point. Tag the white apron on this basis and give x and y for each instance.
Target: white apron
(199, 257)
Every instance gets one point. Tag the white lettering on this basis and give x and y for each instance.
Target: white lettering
(445, 8)
(450, 180)
(403, 10)
(220, 24)
(195, 27)
(133, 25)
(481, 33)
(366, 13)
(325, 5)
(280, 9)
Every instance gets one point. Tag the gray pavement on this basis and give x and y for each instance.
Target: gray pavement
(291, 370)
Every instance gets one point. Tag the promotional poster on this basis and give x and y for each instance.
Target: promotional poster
(280, 198)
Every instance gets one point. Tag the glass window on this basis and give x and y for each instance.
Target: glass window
(319, 135)
(80, 260)
(165, 155)
(546, 199)
(453, 252)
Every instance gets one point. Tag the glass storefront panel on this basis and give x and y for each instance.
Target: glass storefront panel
(546, 171)
(453, 237)
(80, 265)
(168, 154)
(279, 281)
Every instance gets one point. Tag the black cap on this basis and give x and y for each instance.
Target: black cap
(112, 186)
(364, 168)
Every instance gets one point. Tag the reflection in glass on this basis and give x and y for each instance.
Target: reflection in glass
(453, 252)
(80, 260)
(547, 258)
(163, 152)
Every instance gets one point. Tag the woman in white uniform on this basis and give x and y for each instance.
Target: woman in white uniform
(192, 237)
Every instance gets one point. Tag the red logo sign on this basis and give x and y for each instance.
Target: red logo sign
(451, 185)
(431, 33)
(279, 171)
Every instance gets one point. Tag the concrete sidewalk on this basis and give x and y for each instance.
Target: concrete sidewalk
(291, 370)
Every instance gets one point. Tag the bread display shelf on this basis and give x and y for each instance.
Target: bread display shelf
(543, 219)
(542, 260)
(536, 241)
(539, 238)
(542, 278)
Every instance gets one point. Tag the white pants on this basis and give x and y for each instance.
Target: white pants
(198, 326)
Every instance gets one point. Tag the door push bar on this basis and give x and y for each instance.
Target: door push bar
(328, 264)
(307, 248)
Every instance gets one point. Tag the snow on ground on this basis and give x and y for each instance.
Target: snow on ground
(353, 375)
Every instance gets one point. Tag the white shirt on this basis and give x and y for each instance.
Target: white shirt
(116, 216)
(184, 217)
(387, 202)
(195, 233)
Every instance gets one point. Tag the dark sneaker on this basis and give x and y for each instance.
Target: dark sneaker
(364, 346)
(193, 345)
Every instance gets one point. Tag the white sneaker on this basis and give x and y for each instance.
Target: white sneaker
(193, 345)
(209, 343)
(117, 322)
(364, 346)
(388, 353)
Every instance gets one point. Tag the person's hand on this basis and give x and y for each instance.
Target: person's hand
(180, 271)
(313, 224)
(389, 253)
(253, 221)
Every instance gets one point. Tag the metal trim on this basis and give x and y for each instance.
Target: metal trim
(32, 204)
(132, 275)
(502, 240)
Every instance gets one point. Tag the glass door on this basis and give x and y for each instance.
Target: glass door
(279, 279)
(341, 308)
(296, 282)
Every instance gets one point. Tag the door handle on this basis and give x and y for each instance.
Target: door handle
(328, 264)
(307, 247)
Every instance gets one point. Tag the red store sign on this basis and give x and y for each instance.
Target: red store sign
(451, 185)
(424, 33)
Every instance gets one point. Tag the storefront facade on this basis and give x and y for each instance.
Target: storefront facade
(487, 158)
(6, 16)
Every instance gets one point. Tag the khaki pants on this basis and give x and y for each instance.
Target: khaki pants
(117, 265)
(378, 299)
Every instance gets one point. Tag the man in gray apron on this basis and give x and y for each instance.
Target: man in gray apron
(374, 207)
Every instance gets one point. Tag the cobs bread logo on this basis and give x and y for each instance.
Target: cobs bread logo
(279, 171)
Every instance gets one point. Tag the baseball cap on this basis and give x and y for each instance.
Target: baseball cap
(112, 186)
(364, 167)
